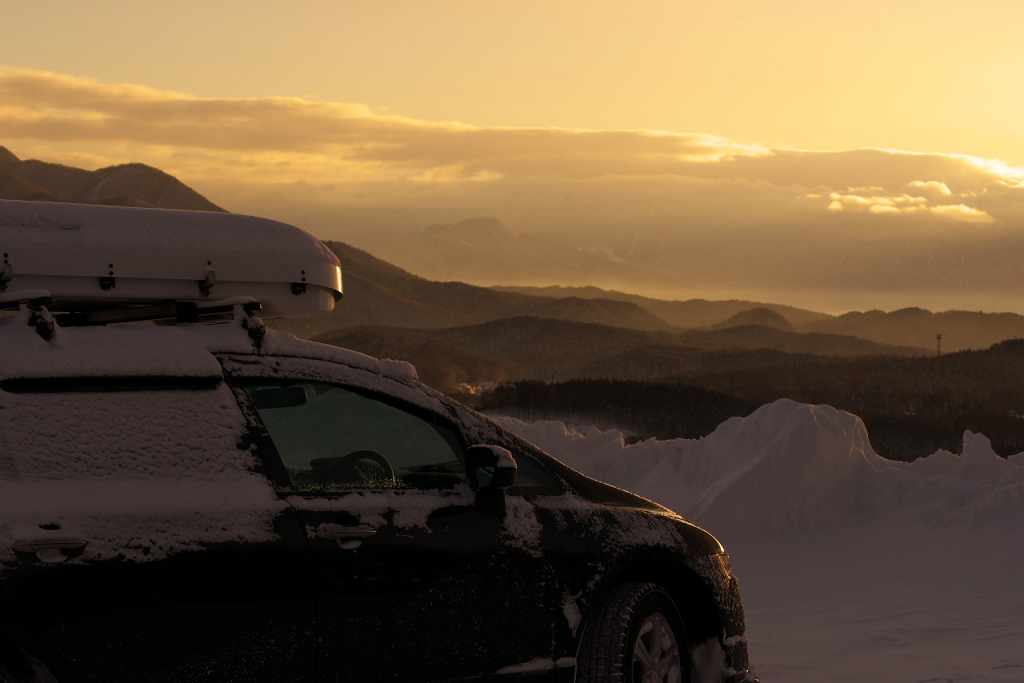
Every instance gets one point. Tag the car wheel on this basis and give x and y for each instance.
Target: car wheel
(636, 636)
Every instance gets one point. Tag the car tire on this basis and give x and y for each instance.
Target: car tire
(636, 635)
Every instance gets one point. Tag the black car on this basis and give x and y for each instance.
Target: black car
(220, 502)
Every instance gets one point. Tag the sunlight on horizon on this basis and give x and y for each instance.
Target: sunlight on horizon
(776, 147)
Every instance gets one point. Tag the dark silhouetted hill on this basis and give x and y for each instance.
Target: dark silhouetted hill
(690, 314)
(912, 407)
(760, 317)
(918, 327)
(7, 160)
(379, 293)
(908, 327)
(915, 327)
(815, 343)
(122, 185)
(533, 348)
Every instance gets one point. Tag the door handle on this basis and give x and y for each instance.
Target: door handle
(49, 550)
(337, 532)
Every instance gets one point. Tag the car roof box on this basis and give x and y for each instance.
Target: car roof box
(90, 257)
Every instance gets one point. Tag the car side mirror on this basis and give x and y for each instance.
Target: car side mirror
(490, 470)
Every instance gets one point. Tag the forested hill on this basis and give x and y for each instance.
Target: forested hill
(378, 293)
(912, 407)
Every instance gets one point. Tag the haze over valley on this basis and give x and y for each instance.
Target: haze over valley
(671, 215)
(650, 367)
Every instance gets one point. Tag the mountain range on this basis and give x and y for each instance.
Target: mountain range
(692, 313)
(697, 358)
(549, 349)
(487, 251)
(381, 294)
(914, 327)
(121, 185)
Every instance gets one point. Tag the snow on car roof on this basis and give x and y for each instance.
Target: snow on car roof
(160, 351)
(104, 255)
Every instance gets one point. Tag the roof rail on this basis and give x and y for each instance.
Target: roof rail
(171, 311)
(12, 301)
(37, 303)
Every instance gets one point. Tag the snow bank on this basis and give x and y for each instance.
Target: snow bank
(852, 568)
(791, 468)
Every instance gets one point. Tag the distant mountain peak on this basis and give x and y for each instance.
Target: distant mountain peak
(487, 227)
(7, 159)
(911, 312)
(131, 184)
(133, 166)
(758, 317)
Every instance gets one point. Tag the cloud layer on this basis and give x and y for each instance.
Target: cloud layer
(338, 168)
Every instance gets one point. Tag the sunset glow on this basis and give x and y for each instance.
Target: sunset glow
(760, 262)
(585, 121)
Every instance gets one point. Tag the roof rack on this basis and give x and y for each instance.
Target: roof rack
(37, 302)
(172, 311)
(12, 301)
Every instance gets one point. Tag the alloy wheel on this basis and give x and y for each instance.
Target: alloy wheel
(656, 653)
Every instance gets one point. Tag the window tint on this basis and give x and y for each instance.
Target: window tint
(530, 475)
(331, 438)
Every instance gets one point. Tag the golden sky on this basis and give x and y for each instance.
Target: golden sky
(582, 120)
(938, 76)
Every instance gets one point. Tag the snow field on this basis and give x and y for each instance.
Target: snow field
(852, 567)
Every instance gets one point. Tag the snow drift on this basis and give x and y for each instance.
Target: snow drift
(852, 568)
(791, 468)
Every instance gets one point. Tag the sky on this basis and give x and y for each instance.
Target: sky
(604, 124)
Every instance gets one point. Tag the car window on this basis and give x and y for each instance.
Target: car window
(532, 477)
(333, 438)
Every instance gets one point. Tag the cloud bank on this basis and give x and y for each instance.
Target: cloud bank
(730, 216)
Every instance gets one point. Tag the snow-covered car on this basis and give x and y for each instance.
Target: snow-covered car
(209, 500)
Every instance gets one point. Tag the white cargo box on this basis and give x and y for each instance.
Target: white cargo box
(91, 257)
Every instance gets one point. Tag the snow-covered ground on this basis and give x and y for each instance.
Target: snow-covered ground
(853, 568)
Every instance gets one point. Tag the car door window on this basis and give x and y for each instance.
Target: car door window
(532, 478)
(334, 438)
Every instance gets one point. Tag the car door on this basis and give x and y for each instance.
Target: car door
(144, 544)
(413, 582)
